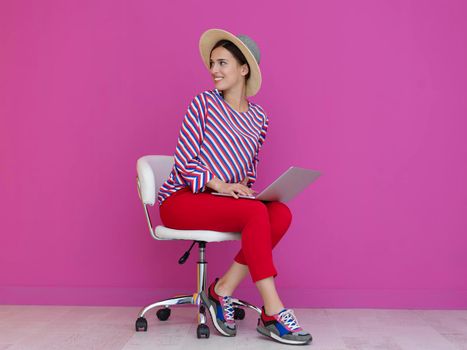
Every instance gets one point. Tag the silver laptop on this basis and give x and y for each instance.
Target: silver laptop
(293, 181)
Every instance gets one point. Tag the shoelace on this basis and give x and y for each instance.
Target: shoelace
(229, 309)
(288, 318)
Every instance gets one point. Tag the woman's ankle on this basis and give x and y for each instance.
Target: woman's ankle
(273, 309)
(222, 289)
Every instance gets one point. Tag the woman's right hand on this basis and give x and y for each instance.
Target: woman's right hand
(235, 189)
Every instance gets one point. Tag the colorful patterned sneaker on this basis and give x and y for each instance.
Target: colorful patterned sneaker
(221, 310)
(283, 327)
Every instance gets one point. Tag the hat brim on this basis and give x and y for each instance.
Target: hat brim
(210, 37)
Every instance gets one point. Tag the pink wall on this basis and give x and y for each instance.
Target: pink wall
(372, 93)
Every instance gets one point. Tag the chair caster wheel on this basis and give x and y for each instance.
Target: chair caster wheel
(202, 331)
(239, 314)
(163, 314)
(141, 324)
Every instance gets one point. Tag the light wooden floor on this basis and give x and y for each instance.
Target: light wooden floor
(65, 327)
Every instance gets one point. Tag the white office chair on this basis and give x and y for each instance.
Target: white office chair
(152, 171)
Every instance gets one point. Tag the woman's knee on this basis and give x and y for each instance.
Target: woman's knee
(282, 211)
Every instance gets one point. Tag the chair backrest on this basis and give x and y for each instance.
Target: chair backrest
(153, 171)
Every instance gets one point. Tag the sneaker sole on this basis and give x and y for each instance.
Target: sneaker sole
(212, 312)
(268, 333)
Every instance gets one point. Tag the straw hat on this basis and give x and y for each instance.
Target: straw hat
(246, 45)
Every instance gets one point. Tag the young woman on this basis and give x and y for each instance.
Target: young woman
(217, 151)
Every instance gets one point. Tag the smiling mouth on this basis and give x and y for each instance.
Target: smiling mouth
(218, 79)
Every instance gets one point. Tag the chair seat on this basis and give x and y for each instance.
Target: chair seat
(166, 233)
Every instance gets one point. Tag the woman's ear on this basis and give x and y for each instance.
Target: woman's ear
(244, 70)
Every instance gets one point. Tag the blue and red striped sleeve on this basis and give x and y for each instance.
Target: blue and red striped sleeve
(187, 164)
(252, 171)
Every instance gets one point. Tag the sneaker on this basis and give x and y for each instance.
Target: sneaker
(221, 310)
(283, 327)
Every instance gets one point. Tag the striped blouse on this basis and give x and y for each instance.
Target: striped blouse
(215, 140)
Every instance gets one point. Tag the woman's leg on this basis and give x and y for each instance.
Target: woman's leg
(207, 207)
(231, 279)
(268, 291)
(185, 210)
(280, 219)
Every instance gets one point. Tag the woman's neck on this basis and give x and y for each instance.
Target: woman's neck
(236, 98)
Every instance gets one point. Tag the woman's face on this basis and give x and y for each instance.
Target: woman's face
(225, 69)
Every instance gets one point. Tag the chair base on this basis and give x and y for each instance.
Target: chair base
(192, 299)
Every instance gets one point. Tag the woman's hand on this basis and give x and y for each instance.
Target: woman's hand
(235, 189)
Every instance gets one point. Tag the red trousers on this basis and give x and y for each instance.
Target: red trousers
(262, 224)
